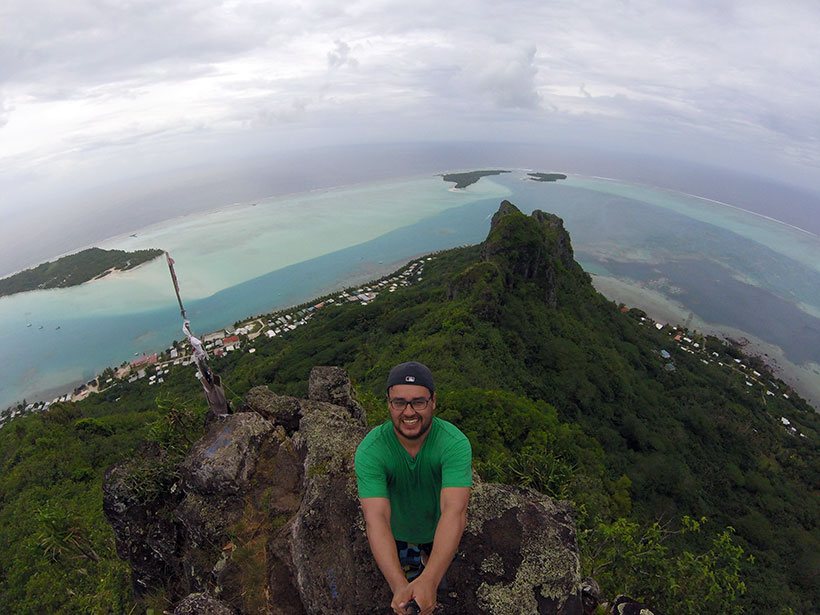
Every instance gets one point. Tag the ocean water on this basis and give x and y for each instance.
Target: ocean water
(231, 263)
(730, 267)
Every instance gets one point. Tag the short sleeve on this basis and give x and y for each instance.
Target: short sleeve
(457, 465)
(371, 478)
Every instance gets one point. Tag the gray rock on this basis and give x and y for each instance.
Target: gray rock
(271, 523)
(222, 462)
(332, 385)
(203, 603)
(133, 498)
(334, 570)
(279, 409)
(590, 595)
(518, 555)
(624, 605)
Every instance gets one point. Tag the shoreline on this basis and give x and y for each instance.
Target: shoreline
(361, 278)
(805, 379)
(213, 210)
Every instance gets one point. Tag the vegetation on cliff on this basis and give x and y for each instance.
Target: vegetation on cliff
(75, 269)
(557, 389)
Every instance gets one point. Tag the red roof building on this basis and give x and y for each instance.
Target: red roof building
(144, 360)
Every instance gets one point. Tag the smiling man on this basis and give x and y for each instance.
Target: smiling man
(414, 474)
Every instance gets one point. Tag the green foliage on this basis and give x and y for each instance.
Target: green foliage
(151, 475)
(56, 547)
(572, 400)
(462, 180)
(74, 269)
(546, 177)
(648, 564)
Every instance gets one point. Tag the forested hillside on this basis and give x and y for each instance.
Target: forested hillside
(74, 269)
(557, 389)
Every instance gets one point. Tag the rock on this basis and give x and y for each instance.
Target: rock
(590, 595)
(624, 605)
(533, 251)
(332, 385)
(334, 569)
(279, 409)
(224, 459)
(270, 523)
(518, 555)
(134, 494)
(203, 603)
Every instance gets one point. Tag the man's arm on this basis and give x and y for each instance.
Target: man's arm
(382, 544)
(450, 527)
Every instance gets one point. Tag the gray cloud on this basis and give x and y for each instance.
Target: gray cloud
(340, 56)
(5, 112)
(84, 77)
(509, 77)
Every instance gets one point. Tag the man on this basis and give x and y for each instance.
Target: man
(414, 475)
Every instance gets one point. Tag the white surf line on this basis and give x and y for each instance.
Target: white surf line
(703, 198)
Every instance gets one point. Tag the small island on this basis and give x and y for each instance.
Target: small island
(546, 177)
(74, 269)
(462, 180)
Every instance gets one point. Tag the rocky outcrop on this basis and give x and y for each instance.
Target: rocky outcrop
(202, 603)
(280, 409)
(263, 517)
(532, 251)
(332, 385)
(518, 555)
(134, 497)
(224, 460)
(624, 605)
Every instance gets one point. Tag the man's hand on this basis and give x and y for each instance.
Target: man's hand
(424, 593)
(401, 596)
(421, 590)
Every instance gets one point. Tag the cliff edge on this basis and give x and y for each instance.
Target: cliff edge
(263, 517)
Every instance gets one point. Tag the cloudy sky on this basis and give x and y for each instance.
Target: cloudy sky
(95, 90)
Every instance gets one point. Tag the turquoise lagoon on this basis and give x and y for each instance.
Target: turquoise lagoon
(730, 268)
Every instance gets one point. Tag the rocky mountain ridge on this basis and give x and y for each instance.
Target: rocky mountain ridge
(265, 519)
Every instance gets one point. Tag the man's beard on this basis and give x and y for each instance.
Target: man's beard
(397, 425)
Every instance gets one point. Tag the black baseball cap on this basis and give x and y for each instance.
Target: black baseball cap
(411, 372)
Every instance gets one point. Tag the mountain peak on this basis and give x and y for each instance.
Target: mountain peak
(505, 209)
(534, 249)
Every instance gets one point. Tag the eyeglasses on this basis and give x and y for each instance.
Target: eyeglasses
(418, 404)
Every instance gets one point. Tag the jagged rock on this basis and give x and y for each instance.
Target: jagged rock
(555, 228)
(506, 208)
(133, 498)
(624, 605)
(531, 250)
(332, 385)
(224, 459)
(203, 603)
(279, 409)
(519, 555)
(590, 595)
(269, 523)
(335, 572)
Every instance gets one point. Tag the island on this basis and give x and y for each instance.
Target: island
(75, 269)
(462, 180)
(546, 177)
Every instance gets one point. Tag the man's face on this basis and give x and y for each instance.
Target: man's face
(411, 423)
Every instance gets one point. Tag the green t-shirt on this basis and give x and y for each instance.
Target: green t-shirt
(384, 469)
